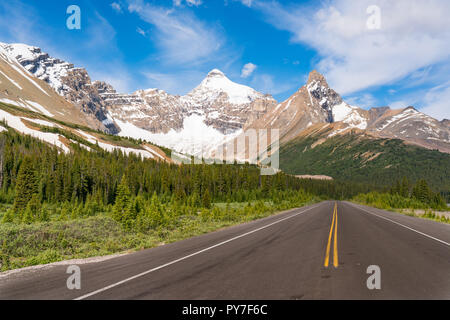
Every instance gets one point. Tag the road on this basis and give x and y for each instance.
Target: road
(320, 251)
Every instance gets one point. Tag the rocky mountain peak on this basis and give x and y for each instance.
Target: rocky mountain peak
(217, 87)
(446, 122)
(215, 73)
(411, 108)
(316, 77)
(321, 94)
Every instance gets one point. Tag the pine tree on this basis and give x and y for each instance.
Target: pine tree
(154, 211)
(25, 186)
(65, 211)
(44, 214)
(404, 188)
(206, 199)
(422, 192)
(122, 205)
(8, 217)
(33, 210)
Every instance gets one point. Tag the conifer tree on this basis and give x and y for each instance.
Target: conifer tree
(422, 192)
(33, 210)
(404, 188)
(122, 205)
(8, 217)
(155, 212)
(206, 199)
(26, 185)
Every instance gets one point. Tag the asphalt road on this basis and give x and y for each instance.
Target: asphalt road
(316, 252)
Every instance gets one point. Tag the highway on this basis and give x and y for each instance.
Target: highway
(322, 251)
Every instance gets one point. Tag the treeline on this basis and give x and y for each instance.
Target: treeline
(356, 158)
(35, 177)
(404, 195)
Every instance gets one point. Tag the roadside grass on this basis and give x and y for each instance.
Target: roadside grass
(24, 245)
(429, 214)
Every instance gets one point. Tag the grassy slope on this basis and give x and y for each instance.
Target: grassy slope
(107, 138)
(353, 157)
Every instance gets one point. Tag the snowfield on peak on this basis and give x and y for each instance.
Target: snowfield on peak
(216, 83)
(349, 115)
(39, 64)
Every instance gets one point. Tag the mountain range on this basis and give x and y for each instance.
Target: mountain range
(216, 111)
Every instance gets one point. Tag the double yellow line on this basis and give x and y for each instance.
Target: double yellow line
(335, 250)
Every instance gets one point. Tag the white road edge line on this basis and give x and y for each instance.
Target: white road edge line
(191, 255)
(419, 232)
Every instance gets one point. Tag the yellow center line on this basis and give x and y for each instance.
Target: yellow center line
(333, 229)
(327, 255)
(335, 253)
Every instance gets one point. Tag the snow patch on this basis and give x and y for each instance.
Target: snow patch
(16, 123)
(11, 80)
(109, 147)
(195, 138)
(40, 108)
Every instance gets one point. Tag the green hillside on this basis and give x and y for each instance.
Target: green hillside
(359, 158)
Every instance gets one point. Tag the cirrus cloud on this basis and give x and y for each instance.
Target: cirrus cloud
(414, 34)
(180, 36)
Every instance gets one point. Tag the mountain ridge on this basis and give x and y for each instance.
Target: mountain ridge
(219, 110)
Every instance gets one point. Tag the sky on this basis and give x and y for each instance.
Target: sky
(372, 52)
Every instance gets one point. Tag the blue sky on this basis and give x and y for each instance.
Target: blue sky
(269, 45)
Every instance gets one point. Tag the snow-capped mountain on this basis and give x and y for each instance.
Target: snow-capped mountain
(316, 104)
(213, 112)
(216, 111)
(74, 84)
(21, 88)
(414, 126)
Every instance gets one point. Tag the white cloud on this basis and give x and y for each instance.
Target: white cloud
(181, 37)
(248, 69)
(116, 6)
(140, 31)
(436, 102)
(414, 34)
(400, 104)
(190, 3)
(365, 101)
(247, 3)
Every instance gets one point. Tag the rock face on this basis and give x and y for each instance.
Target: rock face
(216, 110)
(74, 84)
(313, 103)
(20, 88)
(413, 126)
(316, 103)
(225, 106)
